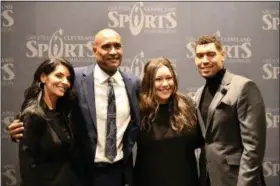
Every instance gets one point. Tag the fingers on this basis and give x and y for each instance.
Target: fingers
(16, 124)
(17, 137)
(16, 129)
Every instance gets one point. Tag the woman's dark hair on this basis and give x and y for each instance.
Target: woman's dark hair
(34, 94)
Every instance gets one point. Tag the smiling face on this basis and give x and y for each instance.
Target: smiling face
(163, 84)
(209, 60)
(159, 82)
(108, 50)
(57, 82)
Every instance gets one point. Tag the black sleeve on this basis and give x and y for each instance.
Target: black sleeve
(34, 128)
(198, 139)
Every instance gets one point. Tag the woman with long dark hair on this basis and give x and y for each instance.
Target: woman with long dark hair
(48, 140)
(169, 131)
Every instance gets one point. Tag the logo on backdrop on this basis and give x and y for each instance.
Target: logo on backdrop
(272, 118)
(7, 118)
(143, 18)
(270, 20)
(9, 175)
(7, 71)
(271, 167)
(238, 49)
(135, 65)
(75, 48)
(270, 69)
(7, 20)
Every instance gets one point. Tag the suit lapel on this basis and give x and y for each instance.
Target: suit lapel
(216, 100)
(199, 117)
(198, 96)
(201, 122)
(221, 92)
(131, 130)
(88, 88)
(128, 87)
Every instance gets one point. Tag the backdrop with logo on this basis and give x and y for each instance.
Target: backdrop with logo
(34, 31)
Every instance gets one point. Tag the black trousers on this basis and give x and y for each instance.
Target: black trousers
(106, 174)
(204, 176)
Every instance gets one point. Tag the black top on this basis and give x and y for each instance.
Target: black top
(166, 157)
(211, 87)
(214, 82)
(45, 150)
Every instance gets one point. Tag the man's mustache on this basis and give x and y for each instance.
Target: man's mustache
(114, 58)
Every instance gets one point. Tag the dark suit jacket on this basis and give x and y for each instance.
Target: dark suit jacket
(235, 133)
(85, 118)
(45, 153)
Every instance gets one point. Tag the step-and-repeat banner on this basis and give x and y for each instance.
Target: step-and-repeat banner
(33, 31)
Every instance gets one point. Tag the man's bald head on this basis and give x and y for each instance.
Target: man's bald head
(107, 48)
(105, 33)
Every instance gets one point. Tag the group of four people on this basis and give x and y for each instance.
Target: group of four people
(77, 127)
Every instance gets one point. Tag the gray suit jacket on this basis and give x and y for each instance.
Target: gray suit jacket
(235, 133)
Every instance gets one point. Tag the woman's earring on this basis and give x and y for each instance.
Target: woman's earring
(41, 85)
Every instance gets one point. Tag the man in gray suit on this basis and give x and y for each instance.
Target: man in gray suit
(231, 115)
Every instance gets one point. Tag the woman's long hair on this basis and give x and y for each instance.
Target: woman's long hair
(181, 108)
(34, 94)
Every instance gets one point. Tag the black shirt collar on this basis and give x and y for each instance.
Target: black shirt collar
(216, 79)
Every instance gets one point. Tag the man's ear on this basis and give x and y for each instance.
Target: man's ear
(94, 49)
(224, 55)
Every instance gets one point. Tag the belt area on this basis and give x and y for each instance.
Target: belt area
(107, 165)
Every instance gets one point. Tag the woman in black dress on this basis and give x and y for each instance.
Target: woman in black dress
(46, 147)
(169, 130)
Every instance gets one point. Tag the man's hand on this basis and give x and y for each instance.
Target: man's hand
(15, 130)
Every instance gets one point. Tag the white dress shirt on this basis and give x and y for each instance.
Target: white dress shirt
(122, 111)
